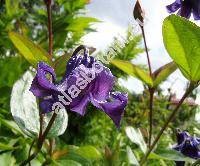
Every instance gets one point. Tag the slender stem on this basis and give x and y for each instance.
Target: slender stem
(151, 92)
(41, 124)
(41, 141)
(29, 152)
(146, 50)
(170, 118)
(48, 4)
(43, 137)
(29, 159)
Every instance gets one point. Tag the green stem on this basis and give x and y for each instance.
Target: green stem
(170, 118)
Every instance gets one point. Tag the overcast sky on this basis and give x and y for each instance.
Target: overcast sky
(116, 15)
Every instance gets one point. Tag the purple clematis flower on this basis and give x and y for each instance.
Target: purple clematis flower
(186, 8)
(187, 145)
(86, 80)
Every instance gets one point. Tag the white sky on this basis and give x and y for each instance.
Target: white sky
(116, 15)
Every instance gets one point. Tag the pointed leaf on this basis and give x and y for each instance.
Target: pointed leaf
(89, 152)
(134, 71)
(32, 52)
(136, 137)
(131, 157)
(170, 154)
(25, 111)
(162, 73)
(181, 39)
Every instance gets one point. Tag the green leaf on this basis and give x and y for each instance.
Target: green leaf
(136, 137)
(65, 162)
(80, 23)
(170, 154)
(32, 52)
(89, 152)
(7, 159)
(12, 7)
(181, 39)
(74, 153)
(131, 157)
(162, 73)
(7, 147)
(25, 111)
(134, 71)
(11, 69)
(11, 125)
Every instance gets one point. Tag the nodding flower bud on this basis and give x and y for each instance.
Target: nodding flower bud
(138, 13)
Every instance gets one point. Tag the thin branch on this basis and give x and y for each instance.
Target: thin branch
(170, 118)
(151, 92)
(29, 159)
(146, 50)
(41, 141)
(29, 152)
(42, 136)
(48, 4)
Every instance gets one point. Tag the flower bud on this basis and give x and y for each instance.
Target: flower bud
(138, 13)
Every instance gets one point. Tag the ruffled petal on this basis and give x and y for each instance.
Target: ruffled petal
(73, 62)
(78, 89)
(115, 108)
(41, 85)
(182, 136)
(79, 105)
(174, 6)
(186, 10)
(196, 9)
(46, 105)
(103, 85)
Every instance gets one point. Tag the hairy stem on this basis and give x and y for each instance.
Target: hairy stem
(146, 50)
(170, 118)
(151, 92)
